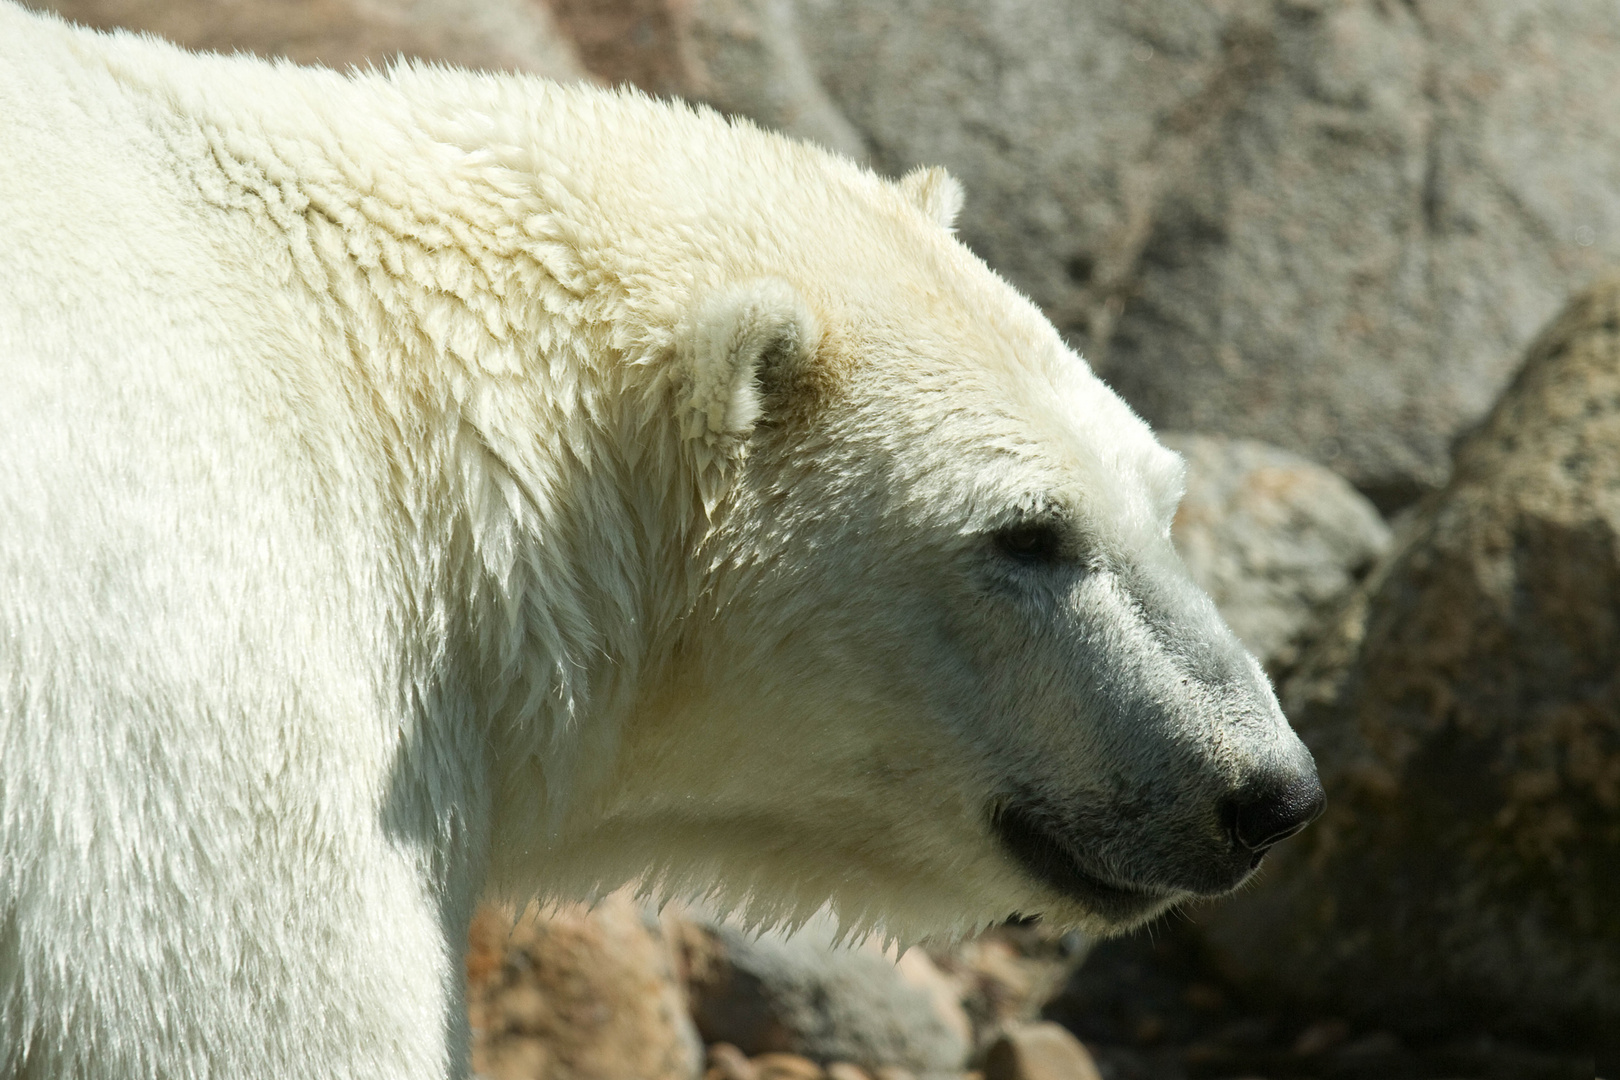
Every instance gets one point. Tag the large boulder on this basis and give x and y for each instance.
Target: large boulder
(1329, 225)
(1273, 538)
(743, 56)
(508, 35)
(1464, 710)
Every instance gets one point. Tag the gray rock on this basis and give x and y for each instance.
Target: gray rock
(1464, 710)
(509, 35)
(1273, 538)
(1331, 226)
(802, 993)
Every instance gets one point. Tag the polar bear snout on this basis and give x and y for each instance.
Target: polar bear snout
(1126, 859)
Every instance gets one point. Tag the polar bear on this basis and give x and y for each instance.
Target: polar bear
(423, 483)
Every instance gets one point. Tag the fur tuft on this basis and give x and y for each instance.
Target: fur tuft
(935, 192)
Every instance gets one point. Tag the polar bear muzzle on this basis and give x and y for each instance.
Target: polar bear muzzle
(1054, 847)
(1143, 756)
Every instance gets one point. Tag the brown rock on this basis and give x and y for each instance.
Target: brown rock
(1464, 710)
(726, 1062)
(742, 56)
(511, 35)
(843, 1070)
(640, 42)
(577, 994)
(1042, 1051)
(786, 1067)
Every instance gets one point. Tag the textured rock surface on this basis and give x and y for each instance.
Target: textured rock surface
(512, 35)
(1273, 538)
(745, 57)
(802, 994)
(1005, 976)
(1465, 713)
(1042, 1051)
(577, 994)
(1328, 225)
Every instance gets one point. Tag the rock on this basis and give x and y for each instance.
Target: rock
(1273, 538)
(1328, 225)
(1143, 992)
(511, 35)
(639, 42)
(726, 1062)
(843, 1070)
(744, 57)
(1464, 710)
(1004, 976)
(801, 994)
(919, 974)
(1042, 1051)
(577, 994)
(786, 1067)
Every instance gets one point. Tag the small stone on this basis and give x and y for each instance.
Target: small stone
(892, 1072)
(1005, 975)
(726, 1062)
(1043, 1051)
(1204, 997)
(843, 1070)
(1320, 1037)
(786, 1067)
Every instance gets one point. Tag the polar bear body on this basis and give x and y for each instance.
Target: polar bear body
(420, 483)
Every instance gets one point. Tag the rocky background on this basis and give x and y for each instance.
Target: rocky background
(1324, 244)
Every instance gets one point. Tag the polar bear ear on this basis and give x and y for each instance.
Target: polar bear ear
(935, 192)
(740, 346)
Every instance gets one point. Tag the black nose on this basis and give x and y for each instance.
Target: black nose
(1267, 813)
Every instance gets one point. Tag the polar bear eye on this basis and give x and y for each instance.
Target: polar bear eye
(1029, 542)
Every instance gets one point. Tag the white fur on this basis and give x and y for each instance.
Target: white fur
(415, 483)
(936, 193)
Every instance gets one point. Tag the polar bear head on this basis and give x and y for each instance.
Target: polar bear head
(943, 663)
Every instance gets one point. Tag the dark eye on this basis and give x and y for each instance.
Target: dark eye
(1032, 542)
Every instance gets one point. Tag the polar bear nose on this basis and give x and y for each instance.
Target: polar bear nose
(1267, 813)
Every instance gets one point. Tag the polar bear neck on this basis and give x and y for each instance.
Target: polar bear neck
(513, 355)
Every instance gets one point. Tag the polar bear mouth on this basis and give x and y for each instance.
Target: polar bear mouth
(1030, 836)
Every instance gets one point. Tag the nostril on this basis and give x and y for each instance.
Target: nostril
(1266, 815)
